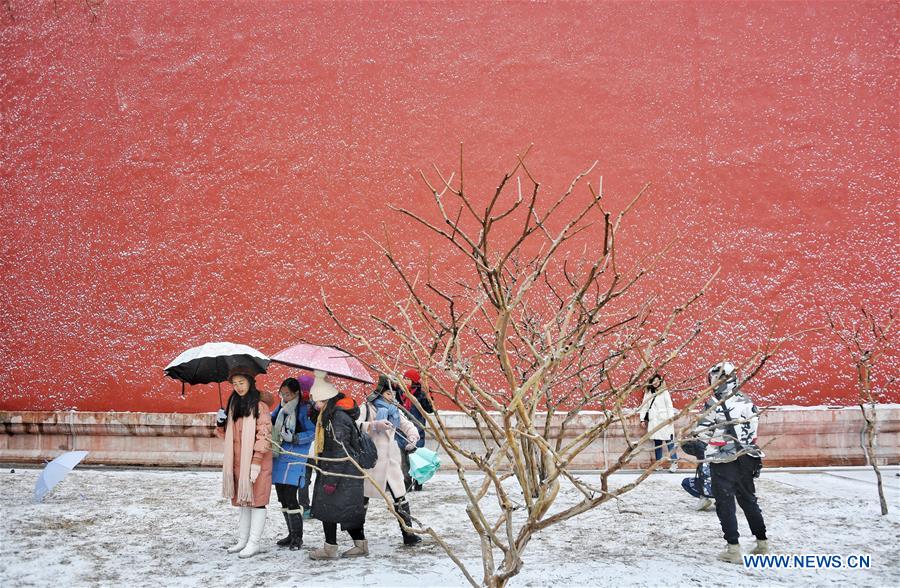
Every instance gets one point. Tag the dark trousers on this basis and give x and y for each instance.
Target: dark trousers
(330, 530)
(404, 465)
(732, 480)
(304, 492)
(287, 496)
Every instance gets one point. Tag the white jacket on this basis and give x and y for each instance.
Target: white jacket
(388, 469)
(658, 408)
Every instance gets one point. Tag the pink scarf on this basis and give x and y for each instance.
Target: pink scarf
(248, 437)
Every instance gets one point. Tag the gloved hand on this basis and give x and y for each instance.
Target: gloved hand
(221, 418)
(411, 448)
(381, 426)
(254, 472)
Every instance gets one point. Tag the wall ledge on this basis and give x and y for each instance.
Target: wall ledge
(792, 436)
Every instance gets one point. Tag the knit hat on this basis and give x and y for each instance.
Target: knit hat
(322, 389)
(384, 384)
(242, 370)
(412, 375)
(306, 382)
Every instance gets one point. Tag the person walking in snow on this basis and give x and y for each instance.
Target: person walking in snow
(729, 428)
(247, 462)
(393, 435)
(414, 387)
(292, 435)
(338, 493)
(657, 411)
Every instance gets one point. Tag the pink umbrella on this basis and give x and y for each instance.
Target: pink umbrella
(325, 358)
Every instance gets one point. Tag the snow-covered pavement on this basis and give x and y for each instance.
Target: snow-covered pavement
(103, 527)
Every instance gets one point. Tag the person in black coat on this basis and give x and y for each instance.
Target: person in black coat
(337, 499)
(414, 385)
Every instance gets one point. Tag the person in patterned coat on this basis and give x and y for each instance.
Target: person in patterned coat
(729, 428)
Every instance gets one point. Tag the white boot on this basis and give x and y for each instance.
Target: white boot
(243, 530)
(703, 503)
(732, 554)
(762, 546)
(257, 523)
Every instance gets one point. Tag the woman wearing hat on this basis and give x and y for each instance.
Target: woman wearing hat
(393, 435)
(292, 435)
(404, 399)
(247, 462)
(337, 499)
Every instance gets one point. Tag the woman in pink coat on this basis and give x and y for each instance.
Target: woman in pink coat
(247, 462)
(392, 434)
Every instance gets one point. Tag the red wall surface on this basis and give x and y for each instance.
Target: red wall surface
(181, 172)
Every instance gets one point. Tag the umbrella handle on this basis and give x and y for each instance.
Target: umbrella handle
(402, 436)
(220, 395)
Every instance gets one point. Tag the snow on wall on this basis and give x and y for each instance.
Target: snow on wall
(175, 173)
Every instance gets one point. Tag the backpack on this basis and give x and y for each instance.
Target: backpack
(368, 453)
(695, 448)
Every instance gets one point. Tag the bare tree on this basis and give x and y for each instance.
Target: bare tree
(866, 340)
(540, 320)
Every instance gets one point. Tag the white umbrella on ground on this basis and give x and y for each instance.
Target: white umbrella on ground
(55, 471)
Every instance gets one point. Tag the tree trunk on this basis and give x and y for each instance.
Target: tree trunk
(870, 452)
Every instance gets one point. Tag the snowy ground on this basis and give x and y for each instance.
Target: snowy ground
(104, 527)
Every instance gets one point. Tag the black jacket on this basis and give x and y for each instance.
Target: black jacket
(337, 499)
(415, 415)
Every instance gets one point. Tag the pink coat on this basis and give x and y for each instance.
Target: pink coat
(262, 455)
(388, 469)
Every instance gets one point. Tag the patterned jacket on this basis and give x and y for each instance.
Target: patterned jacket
(717, 431)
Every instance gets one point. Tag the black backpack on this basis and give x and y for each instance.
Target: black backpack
(695, 448)
(368, 453)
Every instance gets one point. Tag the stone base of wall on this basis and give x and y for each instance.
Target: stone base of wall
(792, 436)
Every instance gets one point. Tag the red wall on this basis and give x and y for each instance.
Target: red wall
(175, 173)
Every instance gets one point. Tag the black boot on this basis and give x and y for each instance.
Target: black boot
(402, 508)
(296, 529)
(287, 540)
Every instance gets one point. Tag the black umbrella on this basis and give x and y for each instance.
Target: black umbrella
(211, 362)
